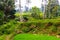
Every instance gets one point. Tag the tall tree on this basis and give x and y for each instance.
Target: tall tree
(44, 4)
(7, 6)
(59, 11)
(52, 8)
(21, 17)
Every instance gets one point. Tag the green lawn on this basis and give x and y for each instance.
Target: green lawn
(34, 37)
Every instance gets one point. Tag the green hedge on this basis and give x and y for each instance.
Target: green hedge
(8, 28)
(39, 26)
(46, 26)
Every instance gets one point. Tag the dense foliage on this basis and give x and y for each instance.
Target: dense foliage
(32, 21)
(48, 26)
(7, 8)
(35, 12)
(51, 10)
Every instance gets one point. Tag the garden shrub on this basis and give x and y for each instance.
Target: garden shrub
(40, 26)
(48, 24)
(25, 29)
(1, 17)
(8, 27)
(35, 12)
(57, 24)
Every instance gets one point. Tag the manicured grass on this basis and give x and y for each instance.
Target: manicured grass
(34, 37)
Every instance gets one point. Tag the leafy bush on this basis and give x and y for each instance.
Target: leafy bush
(47, 26)
(41, 15)
(35, 12)
(57, 24)
(8, 27)
(1, 17)
(40, 26)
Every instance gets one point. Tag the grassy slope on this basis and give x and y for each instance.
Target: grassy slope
(2, 37)
(34, 37)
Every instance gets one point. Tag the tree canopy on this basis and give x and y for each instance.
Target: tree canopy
(7, 8)
(52, 8)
